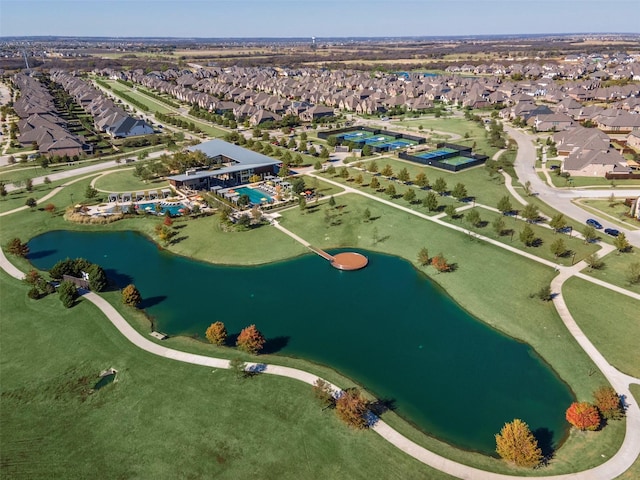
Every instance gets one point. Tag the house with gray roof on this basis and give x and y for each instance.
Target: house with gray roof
(235, 165)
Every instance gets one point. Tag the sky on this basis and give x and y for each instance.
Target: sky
(319, 18)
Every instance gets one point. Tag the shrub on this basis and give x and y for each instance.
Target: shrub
(68, 293)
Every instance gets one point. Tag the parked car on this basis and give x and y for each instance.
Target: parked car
(612, 231)
(594, 223)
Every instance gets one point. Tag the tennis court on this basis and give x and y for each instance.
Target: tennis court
(455, 161)
(355, 135)
(398, 143)
(435, 154)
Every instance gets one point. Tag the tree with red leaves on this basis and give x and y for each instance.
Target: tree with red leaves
(250, 340)
(583, 416)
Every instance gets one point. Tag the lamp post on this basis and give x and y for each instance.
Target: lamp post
(71, 199)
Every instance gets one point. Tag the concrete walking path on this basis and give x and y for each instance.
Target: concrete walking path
(612, 468)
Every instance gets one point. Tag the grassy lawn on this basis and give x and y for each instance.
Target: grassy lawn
(265, 427)
(158, 106)
(124, 181)
(633, 472)
(18, 198)
(487, 190)
(609, 320)
(455, 125)
(545, 236)
(600, 182)
(493, 284)
(152, 104)
(615, 269)
(616, 213)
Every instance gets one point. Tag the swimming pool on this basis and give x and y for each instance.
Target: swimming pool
(172, 208)
(255, 196)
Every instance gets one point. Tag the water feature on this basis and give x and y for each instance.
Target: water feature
(385, 326)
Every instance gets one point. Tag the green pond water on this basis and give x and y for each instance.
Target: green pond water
(386, 326)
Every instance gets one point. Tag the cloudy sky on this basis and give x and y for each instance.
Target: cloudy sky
(320, 18)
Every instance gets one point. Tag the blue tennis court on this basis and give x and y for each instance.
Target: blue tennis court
(435, 153)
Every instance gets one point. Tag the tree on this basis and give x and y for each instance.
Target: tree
(515, 443)
(366, 151)
(390, 190)
(68, 293)
(238, 367)
(594, 262)
(250, 340)
(409, 195)
(423, 257)
(32, 277)
(216, 333)
(17, 248)
(351, 408)
(527, 236)
(440, 263)
(430, 201)
(297, 185)
(374, 183)
(583, 416)
(504, 205)
(358, 179)
(97, 278)
(607, 400)
(450, 210)
(387, 171)
(421, 180)
(3, 190)
(344, 173)
(332, 201)
(545, 294)
(473, 217)
(440, 185)
(530, 213)
(633, 273)
(131, 296)
(621, 243)
(498, 225)
(558, 222)
(28, 184)
(366, 214)
(589, 233)
(331, 170)
(31, 202)
(558, 248)
(317, 165)
(50, 207)
(167, 221)
(90, 192)
(373, 166)
(403, 175)
(302, 203)
(459, 192)
(322, 391)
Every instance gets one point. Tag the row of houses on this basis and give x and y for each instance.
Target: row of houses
(108, 117)
(40, 124)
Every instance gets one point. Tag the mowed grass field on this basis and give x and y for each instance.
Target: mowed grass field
(124, 181)
(161, 418)
(609, 319)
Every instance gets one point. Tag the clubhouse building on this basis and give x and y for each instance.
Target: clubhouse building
(234, 166)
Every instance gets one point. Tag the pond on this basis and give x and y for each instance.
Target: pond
(387, 326)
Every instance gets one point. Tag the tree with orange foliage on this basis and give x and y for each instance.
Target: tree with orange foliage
(583, 416)
(250, 340)
(440, 263)
(515, 443)
(167, 221)
(608, 402)
(216, 333)
(351, 407)
(50, 207)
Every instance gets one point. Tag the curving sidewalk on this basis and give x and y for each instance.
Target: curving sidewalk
(623, 459)
(618, 464)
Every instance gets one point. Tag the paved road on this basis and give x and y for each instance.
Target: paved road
(81, 171)
(561, 199)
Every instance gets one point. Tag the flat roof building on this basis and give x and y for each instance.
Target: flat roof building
(236, 166)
